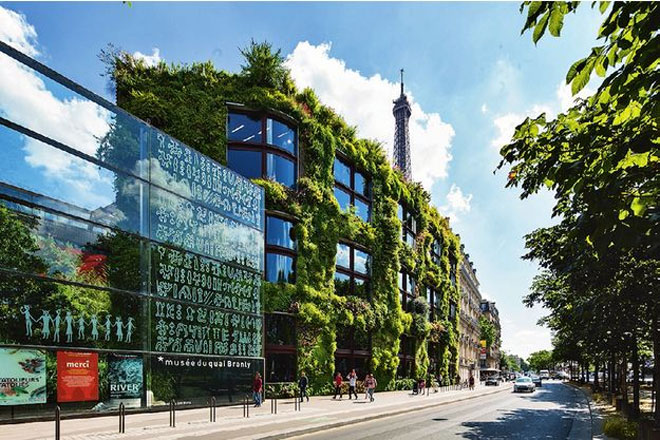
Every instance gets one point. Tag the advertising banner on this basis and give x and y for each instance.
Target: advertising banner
(77, 376)
(22, 376)
(125, 377)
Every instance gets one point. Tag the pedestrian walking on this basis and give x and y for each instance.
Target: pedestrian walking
(257, 386)
(352, 382)
(471, 382)
(370, 384)
(338, 382)
(302, 384)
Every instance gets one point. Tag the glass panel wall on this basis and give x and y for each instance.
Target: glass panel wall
(352, 272)
(352, 189)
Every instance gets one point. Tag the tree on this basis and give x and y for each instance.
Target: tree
(264, 67)
(540, 360)
(487, 331)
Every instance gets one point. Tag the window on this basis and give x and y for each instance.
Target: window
(406, 290)
(280, 250)
(406, 357)
(436, 251)
(408, 225)
(452, 271)
(352, 189)
(262, 147)
(353, 350)
(352, 272)
(452, 311)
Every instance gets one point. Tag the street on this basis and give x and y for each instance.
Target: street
(548, 413)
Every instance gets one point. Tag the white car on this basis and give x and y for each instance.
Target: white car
(523, 384)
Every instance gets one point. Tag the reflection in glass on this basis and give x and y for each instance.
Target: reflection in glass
(280, 329)
(343, 255)
(280, 135)
(279, 232)
(362, 210)
(361, 261)
(362, 288)
(244, 128)
(400, 280)
(40, 104)
(342, 173)
(279, 268)
(245, 163)
(361, 186)
(343, 198)
(342, 284)
(281, 367)
(280, 169)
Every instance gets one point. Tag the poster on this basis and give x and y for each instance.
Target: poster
(22, 376)
(125, 376)
(77, 376)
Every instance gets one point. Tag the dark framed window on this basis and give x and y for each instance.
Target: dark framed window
(452, 311)
(406, 290)
(352, 189)
(352, 273)
(353, 350)
(434, 299)
(280, 347)
(452, 271)
(260, 146)
(280, 250)
(406, 357)
(436, 251)
(408, 225)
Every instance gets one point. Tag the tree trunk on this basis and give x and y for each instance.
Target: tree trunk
(635, 366)
(623, 373)
(596, 385)
(656, 368)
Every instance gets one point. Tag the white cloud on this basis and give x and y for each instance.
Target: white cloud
(484, 108)
(506, 124)
(366, 102)
(150, 60)
(457, 203)
(566, 98)
(17, 32)
(29, 100)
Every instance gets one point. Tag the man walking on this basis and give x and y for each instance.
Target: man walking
(302, 384)
(352, 382)
(370, 384)
(471, 382)
(338, 382)
(257, 386)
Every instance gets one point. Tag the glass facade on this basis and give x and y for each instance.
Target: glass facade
(408, 225)
(352, 189)
(280, 250)
(120, 240)
(259, 146)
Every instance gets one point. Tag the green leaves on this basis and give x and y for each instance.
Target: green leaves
(556, 19)
(539, 29)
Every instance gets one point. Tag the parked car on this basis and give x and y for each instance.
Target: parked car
(537, 381)
(523, 384)
(493, 380)
(544, 374)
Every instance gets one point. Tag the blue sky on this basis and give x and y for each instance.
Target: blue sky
(471, 75)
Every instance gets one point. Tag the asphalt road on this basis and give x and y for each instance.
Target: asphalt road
(546, 414)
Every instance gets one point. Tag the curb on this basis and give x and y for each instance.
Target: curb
(576, 431)
(313, 429)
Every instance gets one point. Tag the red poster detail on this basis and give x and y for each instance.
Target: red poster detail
(77, 376)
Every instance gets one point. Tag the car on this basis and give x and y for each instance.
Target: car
(524, 384)
(544, 374)
(537, 381)
(493, 380)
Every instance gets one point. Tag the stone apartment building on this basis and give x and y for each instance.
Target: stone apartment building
(468, 324)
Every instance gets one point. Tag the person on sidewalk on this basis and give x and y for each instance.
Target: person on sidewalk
(302, 384)
(352, 382)
(370, 384)
(471, 383)
(338, 381)
(257, 386)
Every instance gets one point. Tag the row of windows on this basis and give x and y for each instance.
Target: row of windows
(352, 272)
(280, 250)
(408, 225)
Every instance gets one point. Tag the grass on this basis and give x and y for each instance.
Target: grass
(619, 427)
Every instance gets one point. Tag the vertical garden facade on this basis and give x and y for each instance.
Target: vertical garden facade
(131, 265)
(360, 269)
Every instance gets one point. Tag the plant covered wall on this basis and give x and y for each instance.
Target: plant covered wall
(189, 103)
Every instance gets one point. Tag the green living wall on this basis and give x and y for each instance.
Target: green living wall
(190, 103)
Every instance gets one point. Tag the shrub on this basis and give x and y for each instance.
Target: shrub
(621, 428)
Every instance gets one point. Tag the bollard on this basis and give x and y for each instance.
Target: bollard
(57, 422)
(247, 408)
(122, 418)
(172, 414)
(212, 409)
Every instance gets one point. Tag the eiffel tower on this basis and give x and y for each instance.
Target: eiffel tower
(402, 112)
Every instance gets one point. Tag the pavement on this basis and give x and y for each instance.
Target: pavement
(320, 414)
(553, 412)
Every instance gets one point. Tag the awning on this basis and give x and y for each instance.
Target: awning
(490, 370)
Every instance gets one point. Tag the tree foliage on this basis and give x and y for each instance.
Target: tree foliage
(541, 360)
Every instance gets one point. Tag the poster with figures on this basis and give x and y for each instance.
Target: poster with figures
(22, 376)
(64, 327)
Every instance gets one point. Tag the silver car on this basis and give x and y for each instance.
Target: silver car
(523, 384)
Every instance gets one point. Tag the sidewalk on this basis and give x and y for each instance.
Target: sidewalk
(319, 413)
